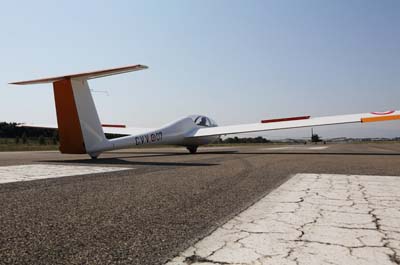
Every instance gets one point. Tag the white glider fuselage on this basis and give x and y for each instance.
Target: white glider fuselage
(174, 133)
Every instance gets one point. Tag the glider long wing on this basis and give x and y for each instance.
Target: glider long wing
(296, 122)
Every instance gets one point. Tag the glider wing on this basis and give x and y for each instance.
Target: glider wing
(295, 122)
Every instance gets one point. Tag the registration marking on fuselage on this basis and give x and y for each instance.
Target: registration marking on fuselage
(31, 172)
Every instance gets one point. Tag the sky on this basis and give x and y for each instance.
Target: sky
(234, 61)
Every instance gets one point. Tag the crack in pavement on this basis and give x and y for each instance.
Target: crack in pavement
(312, 218)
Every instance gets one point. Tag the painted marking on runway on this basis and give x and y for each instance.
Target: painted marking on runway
(297, 148)
(216, 147)
(311, 219)
(41, 171)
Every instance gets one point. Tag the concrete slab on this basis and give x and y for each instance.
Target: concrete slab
(311, 219)
(41, 171)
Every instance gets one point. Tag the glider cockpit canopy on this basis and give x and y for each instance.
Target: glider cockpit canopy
(203, 121)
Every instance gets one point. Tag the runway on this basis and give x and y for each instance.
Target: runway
(160, 203)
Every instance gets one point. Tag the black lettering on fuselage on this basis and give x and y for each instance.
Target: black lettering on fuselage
(159, 136)
(148, 138)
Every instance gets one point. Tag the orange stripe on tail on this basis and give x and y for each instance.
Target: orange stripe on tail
(69, 128)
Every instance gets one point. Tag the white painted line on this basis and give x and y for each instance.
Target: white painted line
(311, 219)
(296, 147)
(277, 148)
(40, 171)
(216, 147)
(318, 148)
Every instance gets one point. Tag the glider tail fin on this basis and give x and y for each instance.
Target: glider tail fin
(79, 126)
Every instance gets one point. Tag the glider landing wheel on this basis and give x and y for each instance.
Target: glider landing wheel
(94, 156)
(192, 149)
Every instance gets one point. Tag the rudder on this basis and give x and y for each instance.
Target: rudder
(69, 128)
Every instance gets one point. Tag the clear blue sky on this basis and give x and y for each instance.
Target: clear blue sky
(235, 61)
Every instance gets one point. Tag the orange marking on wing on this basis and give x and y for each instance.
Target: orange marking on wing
(114, 125)
(286, 119)
(381, 118)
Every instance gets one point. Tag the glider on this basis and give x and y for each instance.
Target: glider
(81, 132)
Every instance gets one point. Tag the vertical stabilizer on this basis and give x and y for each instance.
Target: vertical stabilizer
(69, 128)
(79, 125)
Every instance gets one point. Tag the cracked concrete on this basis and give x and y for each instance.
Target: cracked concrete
(311, 219)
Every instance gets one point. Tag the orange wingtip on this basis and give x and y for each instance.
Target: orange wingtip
(381, 118)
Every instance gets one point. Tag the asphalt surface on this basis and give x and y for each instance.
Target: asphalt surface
(169, 199)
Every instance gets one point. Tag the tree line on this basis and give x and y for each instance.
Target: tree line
(24, 134)
(249, 140)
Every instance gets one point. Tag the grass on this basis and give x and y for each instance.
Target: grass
(9, 144)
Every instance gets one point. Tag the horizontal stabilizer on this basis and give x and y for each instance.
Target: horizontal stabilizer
(117, 129)
(86, 76)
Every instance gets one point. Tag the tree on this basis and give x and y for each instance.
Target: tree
(42, 140)
(55, 138)
(24, 138)
(236, 140)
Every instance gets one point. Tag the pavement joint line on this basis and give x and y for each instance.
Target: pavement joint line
(295, 147)
(18, 173)
(310, 219)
